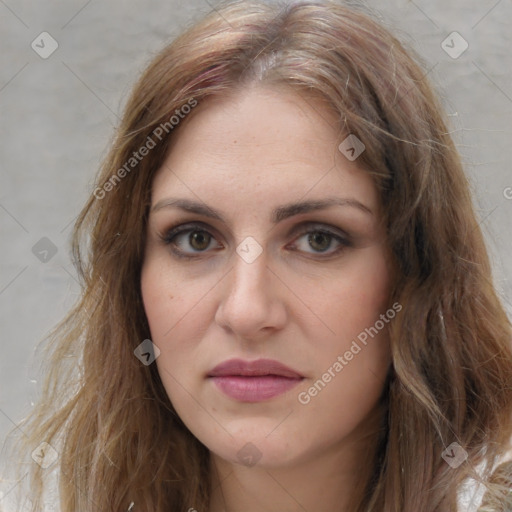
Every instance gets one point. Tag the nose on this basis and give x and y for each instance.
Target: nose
(251, 306)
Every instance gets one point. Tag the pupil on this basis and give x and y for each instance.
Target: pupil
(199, 240)
(319, 241)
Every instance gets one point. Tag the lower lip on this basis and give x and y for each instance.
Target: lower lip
(254, 389)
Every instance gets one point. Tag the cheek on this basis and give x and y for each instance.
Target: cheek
(355, 298)
(167, 297)
(158, 298)
(351, 307)
(177, 319)
(164, 305)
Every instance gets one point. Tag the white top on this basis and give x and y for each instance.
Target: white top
(472, 493)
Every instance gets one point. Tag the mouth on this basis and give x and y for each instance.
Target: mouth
(253, 381)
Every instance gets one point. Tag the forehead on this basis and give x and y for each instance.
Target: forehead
(261, 143)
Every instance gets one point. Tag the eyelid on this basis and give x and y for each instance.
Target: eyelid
(308, 226)
(168, 234)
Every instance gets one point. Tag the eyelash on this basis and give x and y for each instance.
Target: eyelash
(169, 236)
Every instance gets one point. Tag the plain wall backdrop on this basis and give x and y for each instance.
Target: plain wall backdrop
(58, 112)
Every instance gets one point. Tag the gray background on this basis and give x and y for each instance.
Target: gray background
(58, 114)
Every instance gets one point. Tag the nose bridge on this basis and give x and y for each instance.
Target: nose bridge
(249, 303)
(248, 280)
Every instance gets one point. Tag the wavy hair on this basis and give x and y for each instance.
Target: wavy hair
(120, 442)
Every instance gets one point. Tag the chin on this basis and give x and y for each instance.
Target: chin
(256, 451)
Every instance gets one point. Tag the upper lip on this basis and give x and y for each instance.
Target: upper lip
(259, 367)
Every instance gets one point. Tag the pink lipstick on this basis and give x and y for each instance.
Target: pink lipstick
(253, 381)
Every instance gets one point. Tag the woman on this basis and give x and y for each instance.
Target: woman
(287, 302)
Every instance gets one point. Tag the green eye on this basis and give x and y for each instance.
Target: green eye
(320, 241)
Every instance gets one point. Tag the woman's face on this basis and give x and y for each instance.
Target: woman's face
(265, 243)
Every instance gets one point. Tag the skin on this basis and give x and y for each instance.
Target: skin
(245, 155)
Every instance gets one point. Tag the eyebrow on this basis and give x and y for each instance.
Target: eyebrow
(278, 214)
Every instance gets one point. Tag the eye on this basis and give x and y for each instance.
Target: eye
(320, 241)
(189, 239)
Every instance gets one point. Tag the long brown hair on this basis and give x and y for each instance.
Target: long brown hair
(119, 440)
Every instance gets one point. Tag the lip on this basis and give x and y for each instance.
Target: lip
(253, 381)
